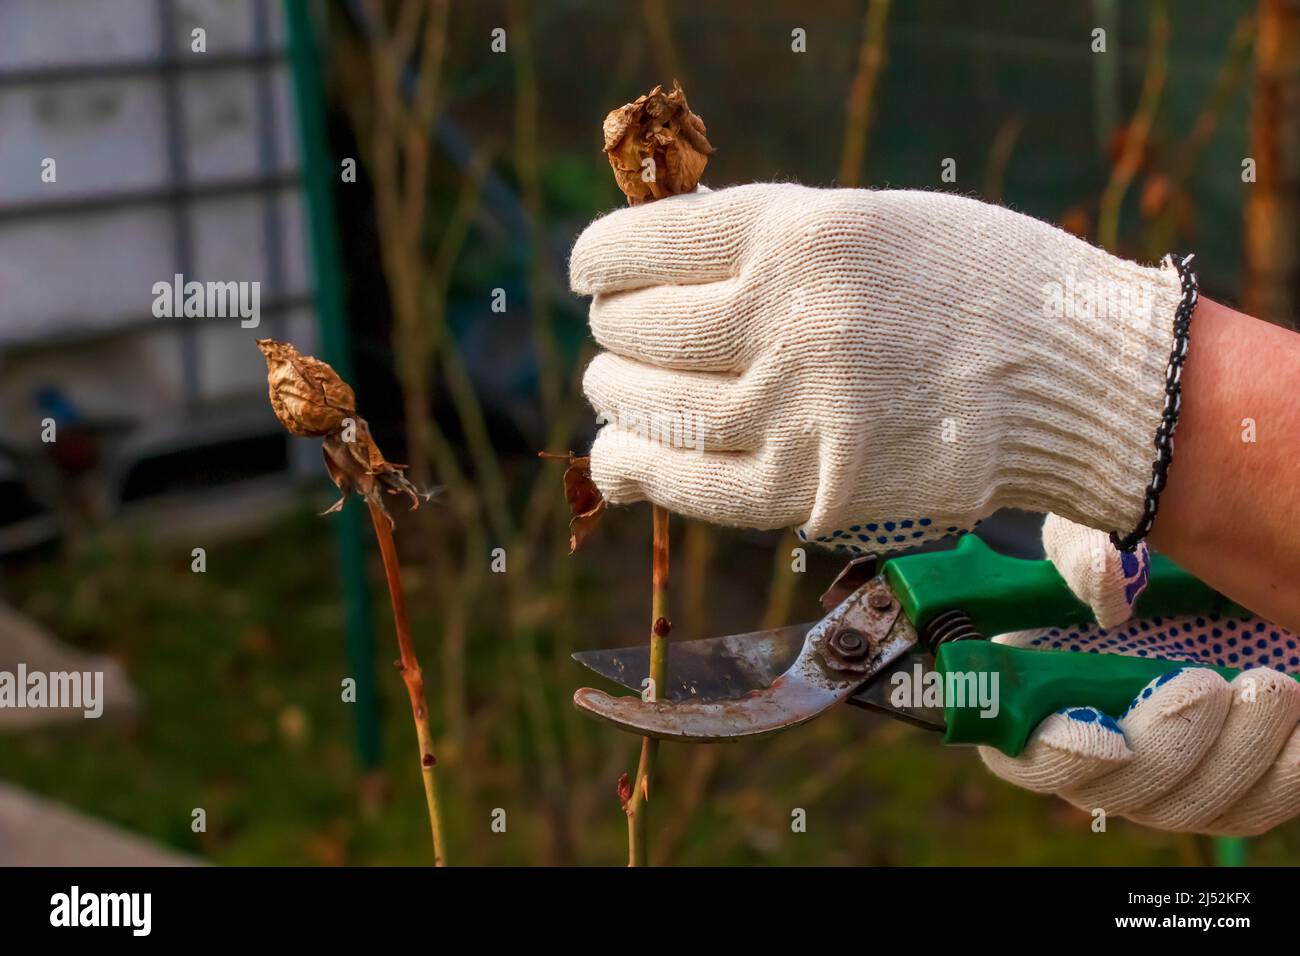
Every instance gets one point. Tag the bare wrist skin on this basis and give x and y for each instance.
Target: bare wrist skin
(1230, 513)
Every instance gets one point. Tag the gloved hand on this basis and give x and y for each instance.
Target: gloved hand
(1107, 580)
(1192, 752)
(877, 368)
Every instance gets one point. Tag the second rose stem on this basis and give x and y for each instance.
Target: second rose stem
(660, 627)
(412, 676)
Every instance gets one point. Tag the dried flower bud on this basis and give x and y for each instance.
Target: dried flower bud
(311, 401)
(659, 127)
(307, 396)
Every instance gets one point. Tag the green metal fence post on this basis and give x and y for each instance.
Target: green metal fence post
(317, 174)
(1230, 851)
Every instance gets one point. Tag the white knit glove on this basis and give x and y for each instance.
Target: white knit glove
(1192, 752)
(1106, 579)
(878, 368)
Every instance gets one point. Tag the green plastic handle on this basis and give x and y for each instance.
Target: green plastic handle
(996, 695)
(1002, 594)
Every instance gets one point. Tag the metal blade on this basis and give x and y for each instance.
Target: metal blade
(879, 695)
(843, 651)
(712, 668)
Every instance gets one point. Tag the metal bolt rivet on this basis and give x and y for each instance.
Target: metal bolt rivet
(849, 644)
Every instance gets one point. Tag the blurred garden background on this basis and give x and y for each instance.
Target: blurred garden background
(404, 177)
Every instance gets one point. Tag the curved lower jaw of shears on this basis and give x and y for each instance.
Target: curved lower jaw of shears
(864, 634)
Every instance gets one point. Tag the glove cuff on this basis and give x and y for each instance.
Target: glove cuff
(1080, 427)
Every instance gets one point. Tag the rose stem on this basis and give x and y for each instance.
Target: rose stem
(659, 628)
(411, 674)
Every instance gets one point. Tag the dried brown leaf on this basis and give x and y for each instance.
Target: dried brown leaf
(355, 463)
(586, 503)
(658, 126)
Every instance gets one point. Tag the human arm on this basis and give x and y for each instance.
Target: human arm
(1231, 511)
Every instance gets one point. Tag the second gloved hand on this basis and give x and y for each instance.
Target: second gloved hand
(1192, 752)
(1107, 580)
(877, 368)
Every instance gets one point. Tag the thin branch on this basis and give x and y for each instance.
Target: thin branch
(862, 94)
(1138, 132)
(707, 758)
(412, 676)
(637, 804)
(409, 15)
(661, 40)
(528, 169)
(425, 106)
(995, 167)
(1226, 84)
(469, 408)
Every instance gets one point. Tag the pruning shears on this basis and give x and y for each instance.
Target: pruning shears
(905, 638)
